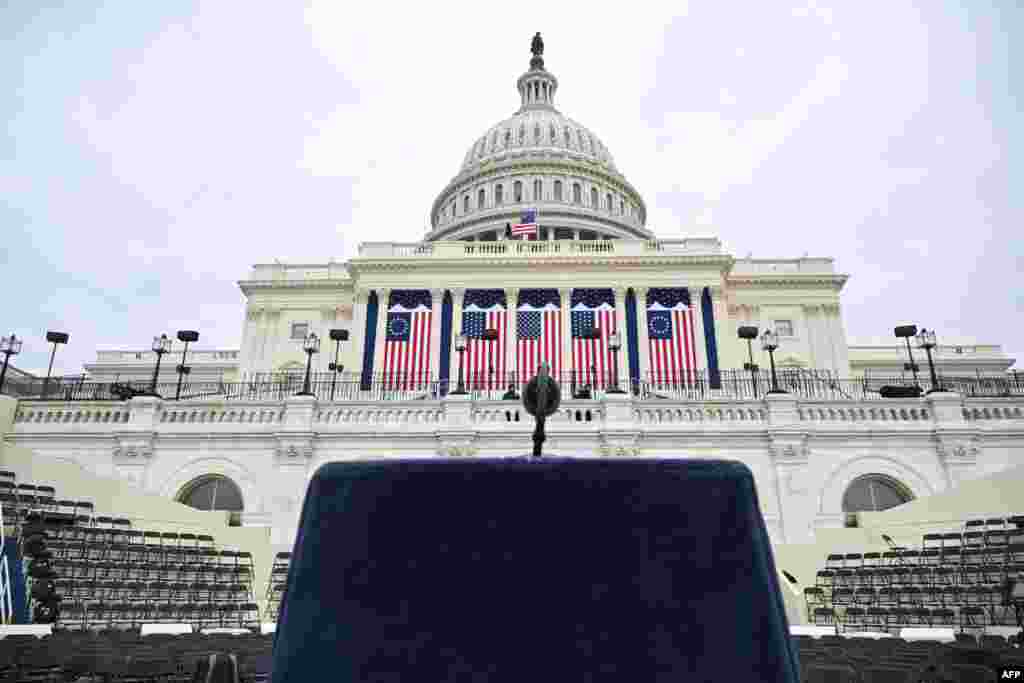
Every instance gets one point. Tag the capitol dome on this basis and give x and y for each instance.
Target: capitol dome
(538, 158)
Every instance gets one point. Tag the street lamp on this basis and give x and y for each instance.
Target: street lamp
(749, 332)
(161, 345)
(9, 346)
(338, 336)
(490, 335)
(311, 345)
(54, 338)
(926, 340)
(187, 336)
(460, 346)
(615, 343)
(770, 342)
(905, 332)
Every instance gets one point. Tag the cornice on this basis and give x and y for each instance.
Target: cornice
(493, 218)
(786, 281)
(248, 286)
(408, 265)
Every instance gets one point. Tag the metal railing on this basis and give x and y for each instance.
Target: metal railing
(695, 386)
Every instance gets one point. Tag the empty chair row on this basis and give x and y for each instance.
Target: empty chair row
(930, 555)
(130, 553)
(967, 573)
(130, 615)
(152, 571)
(77, 591)
(899, 617)
(948, 596)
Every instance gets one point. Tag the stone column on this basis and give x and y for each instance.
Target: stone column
(248, 363)
(620, 327)
(814, 345)
(565, 297)
(643, 340)
(839, 343)
(436, 299)
(458, 293)
(271, 338)
(511, 301)
(358, 333)
(382, 321)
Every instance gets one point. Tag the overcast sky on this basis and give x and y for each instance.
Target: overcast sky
(152, 152)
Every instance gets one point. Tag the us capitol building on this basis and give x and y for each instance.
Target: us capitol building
(538, 251)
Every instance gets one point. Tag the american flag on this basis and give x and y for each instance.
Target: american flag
(528, 226)
(670, 333)
(407, 340)
(539, 332)
(591, 358)
(484, 309)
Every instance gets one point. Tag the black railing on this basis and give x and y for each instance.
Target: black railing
(733, 385)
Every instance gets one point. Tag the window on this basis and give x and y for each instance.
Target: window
(465, 204)
(567, 139)
(452, 207)
(558, 190)
(536, 133)
(622, 208)
(609, 203)
(480, 199)
(212, 492)
(784, 328)
(508, 138)
(554, 136)
(537, 189)
(300, 331)
(593, 197)
(522, 134)
(498, 195)
(875, 492)
(138, 356)
(577, 197)
(517, 191)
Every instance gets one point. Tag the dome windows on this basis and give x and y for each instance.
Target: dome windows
(536, 134)
(508, 138)
(610, 205)
(465, 204)
(517, 191)
(554, 135)
(568, 139)
(558, 190)
(537, 190)
(498, 194)
(593, 197)
(522, 135)
(577, 194)
(480, 199)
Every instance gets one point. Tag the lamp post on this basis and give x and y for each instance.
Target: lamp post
(905, 332)
(54, 338)
(311, 345)
(161, 345)
(770, 342)
(460, 346)
(490, 335)
(615, 343)
(338, 336)
(9, 346)
(749, 332)
(187, 336)
(927, 341)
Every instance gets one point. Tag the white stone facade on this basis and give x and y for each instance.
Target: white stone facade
(804, 454)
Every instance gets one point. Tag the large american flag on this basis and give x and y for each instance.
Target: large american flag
(539, 332)
(407, 340)
(484, 309)
(591, 358)
(670, 333)
(528, 226)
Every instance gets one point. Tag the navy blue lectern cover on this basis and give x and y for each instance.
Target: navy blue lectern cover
(511, 570)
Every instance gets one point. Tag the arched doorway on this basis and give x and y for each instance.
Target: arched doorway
(873, 493)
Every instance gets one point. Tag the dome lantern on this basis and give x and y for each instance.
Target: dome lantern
(537, 86)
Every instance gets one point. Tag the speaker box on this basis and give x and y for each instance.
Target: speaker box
(516, 569)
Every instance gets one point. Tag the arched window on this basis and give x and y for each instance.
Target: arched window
(558, 190)
(537, 190)
(622, 207)
(494, 140)
(567, 138)
(213, 492)
(554, 136)
(583, 140)
(875, 492)
(536, 133)
(480, 197)
(609, 203)
(498, 196)
(593, 197)
(465, 204)
(517, 191)
(508, 138)
(577, 194)
(522, 134)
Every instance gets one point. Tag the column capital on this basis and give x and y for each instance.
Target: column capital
(457, 291)
(437, 294)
